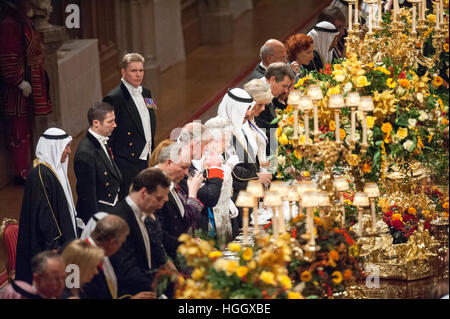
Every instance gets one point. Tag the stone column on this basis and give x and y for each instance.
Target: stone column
(215, 21)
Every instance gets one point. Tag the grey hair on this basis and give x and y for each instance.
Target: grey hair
(279, 70)
(193, 131)
(171, 152)
(39, 261)
(217, 126)
(259, 90)
(265, 51)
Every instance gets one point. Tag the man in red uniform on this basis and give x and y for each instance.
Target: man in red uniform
(23, 81)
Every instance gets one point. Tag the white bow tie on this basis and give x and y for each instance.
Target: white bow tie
(136, 91)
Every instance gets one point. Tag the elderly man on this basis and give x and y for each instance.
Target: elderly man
(49, 279)
(109, 233)
(272, 51)
(183, 208)
(48, 218)
(280, 77)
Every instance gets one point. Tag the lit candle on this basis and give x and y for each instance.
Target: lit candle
(245, 224)
(424, 9)
(275, 222)
(441, 2)
(396, 9)
(437, 15)
(370, 17)
(337, 124)
(360, 221)
(356, 12)
(295, 122)
(364, 123)
(374, 221)
(414, 8)
(255, 219)
(316, 119)
(350, 20)
(379, 13)
(306, 127)
(353, 115)
(281, 221)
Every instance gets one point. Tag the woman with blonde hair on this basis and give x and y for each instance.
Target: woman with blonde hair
(84, 256)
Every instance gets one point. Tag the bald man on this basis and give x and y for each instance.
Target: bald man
(271, 51)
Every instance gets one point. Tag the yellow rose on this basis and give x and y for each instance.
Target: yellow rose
(215, 254)
(334, 90)
(431, 18)
(231, 267)
(251, 265)
(382, 69)
(337, 277)
(397, 217)
(234, 247)
(339, 75)
(386, 128)
(370, 120)
(247, 254)
(342, 133)
(285, 281)
(412, 211)
(283, 139)
(295, 295)
(241, 271)
(332, 126)
(289, 108)
(184, 237)
(361, 81)
(402, 133)
(296, 152)
(198, 273)
(267, 277)
(279, 131)
(390, 83)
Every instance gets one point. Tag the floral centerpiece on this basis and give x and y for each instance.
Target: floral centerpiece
(258, 272)
(336, 263)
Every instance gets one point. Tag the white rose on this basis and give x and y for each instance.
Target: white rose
(407, 145)
(281, 160)
(412, 123)
(349, 136)
(420, 97)
(369, 136)
(423, 116)
(347, 87)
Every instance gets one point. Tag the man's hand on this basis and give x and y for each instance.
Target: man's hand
(194, 184)
(25, 87)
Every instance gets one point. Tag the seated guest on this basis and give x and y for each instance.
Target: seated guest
(86, 258)
(325, 36)
(183, 208)
(48, 218)
(195, 137)
(334, 15)
(98, 176)
(272, 51)
(235, 107)
(259, 90)
(132, 263)
(300, 53)
(49, 278)
(280, 77)
(221, 132)
(109, 232)
(154, 159)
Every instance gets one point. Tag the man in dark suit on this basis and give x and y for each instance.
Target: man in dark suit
(98, 177)
(183, 208)
(280, 77)
(109, 233)
(271, 51)
(132, 263)
(133, 140)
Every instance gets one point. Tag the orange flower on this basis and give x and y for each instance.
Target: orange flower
(445, 205)
(348, 274)
(437, 81)
(412, 211)
(332, 126)
(305, 276)
(333, 255)
(342, 134)
(386, 128)
(404, 83)
(367, 168)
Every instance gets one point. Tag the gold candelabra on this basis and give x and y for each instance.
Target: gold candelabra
(396, 40)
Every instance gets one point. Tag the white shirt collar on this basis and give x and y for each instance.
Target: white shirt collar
(102, 139)
(135, 208)
(132, 89)
(262, 65)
